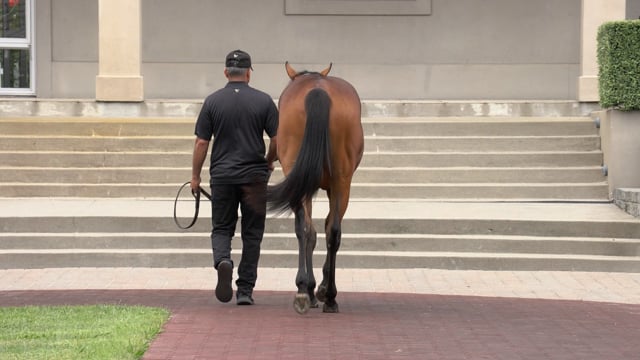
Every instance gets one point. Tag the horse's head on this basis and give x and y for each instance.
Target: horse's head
(293, 74)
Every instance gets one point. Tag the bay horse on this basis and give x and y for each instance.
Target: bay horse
(320, 145)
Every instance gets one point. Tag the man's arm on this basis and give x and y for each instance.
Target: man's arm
(272, 154)
(199, 155)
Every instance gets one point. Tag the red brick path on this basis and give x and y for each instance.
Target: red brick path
(373, 326)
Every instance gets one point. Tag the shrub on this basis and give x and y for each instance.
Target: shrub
(619, 65)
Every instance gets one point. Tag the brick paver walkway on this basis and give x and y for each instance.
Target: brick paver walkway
(373, 326)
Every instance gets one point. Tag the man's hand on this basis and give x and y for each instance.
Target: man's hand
(272, 153)
(195, 184)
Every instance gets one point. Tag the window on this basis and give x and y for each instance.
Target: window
(16, 50)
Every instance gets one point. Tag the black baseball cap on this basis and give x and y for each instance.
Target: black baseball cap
(239, 59)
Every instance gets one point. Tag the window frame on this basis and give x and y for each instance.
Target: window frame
(25, 43)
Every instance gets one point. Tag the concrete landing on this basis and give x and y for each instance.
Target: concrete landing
(358, 209)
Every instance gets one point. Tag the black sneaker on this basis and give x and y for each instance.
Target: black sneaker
(244, 299)
(224, 292)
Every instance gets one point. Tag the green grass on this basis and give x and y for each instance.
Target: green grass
(78, 332)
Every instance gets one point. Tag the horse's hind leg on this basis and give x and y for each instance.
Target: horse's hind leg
(312, 237)
(327, 290)
(305, 280)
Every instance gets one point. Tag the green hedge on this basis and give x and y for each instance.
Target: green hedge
(619, 65)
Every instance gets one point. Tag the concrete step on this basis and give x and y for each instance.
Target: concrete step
(170, 258)
(483, 143)
(596, 191)
(397, 216)
(376, 234)
(479, 126)
(445, 159)
(486, 191)
(420, 175)
(28, 107)
(372, 143)
(388, 126)
(382, 242)
(136, 227)
(98, 159)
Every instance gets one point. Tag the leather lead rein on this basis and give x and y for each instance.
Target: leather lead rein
(196, 195)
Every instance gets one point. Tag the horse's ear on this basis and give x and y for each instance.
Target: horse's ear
(292, 73)
(325, 72)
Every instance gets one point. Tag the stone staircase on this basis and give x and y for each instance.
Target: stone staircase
(454, 192)
(405, 158)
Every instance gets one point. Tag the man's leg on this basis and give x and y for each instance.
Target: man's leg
(224, 216)
(253, 223)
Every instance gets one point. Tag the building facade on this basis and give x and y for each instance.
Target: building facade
(132, 50)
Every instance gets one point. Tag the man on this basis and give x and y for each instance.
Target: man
(236, 116)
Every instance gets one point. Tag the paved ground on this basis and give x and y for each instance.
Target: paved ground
(385, 314)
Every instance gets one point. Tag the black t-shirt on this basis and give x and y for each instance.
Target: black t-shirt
(237, 116)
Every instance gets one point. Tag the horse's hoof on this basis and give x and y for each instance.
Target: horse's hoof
(330, 308)
(302, 303)
(314, 302)
(321, 294)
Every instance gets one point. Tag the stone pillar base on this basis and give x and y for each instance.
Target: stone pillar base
(588, 88)
(119, 88)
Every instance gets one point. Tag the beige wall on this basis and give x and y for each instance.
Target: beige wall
(465, 49)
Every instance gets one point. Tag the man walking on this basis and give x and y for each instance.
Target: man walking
(236, 116)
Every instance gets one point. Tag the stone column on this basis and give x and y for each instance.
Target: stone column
(119, 31)
(594, 13)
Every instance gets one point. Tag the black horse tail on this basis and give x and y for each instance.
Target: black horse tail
(303, 181)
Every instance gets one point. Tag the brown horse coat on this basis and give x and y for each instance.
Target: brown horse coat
(320, 144)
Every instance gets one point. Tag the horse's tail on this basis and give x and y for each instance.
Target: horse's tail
(303, 181)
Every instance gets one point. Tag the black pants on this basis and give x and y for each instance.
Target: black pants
(225, 202)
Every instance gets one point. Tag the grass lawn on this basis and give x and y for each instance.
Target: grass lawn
(78, 332)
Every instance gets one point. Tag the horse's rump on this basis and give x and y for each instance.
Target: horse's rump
(303, 180)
